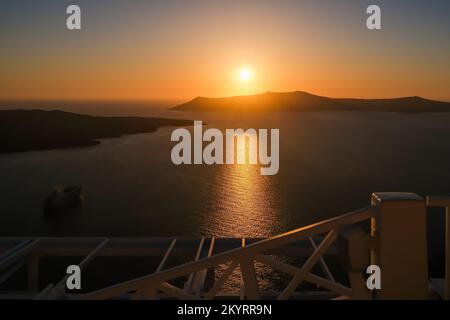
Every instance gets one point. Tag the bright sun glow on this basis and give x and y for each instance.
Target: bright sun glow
(245, 74)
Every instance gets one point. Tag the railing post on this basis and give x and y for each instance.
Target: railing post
(445, 284)
(33, 273)
(354, 253)
(251, 290)
(399, 228)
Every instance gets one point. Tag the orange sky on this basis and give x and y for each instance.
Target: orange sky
(177, 52)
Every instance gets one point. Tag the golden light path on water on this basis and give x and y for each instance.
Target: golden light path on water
(241, 202)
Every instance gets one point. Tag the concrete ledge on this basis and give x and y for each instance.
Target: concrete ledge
(395, 196)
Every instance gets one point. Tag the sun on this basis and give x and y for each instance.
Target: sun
(245, 74)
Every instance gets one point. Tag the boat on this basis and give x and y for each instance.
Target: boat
(62, 198)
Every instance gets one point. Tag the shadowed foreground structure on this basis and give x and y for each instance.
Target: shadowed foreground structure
(397, 243)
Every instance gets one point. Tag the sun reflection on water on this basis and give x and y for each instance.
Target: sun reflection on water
(240, 202)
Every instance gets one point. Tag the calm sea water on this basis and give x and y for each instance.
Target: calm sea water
(330, 163)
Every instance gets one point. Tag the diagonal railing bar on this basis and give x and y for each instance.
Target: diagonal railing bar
(326, 270)
(312, 230)
(166, 255)
(239, 254)
(324, 245)
(11, 270)
(45, 293)
(294, 271)
(327, 284)
(11, 251)
(309, 264)
(221, 281)
(198, 284)
(150, 291)
(59, 289)
(18, 252)
(251, 289)
(278, 265)
(188, 284)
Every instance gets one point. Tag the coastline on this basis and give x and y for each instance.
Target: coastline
(38, 130)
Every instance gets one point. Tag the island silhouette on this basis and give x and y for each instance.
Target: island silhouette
(304, 101)
(27, 130)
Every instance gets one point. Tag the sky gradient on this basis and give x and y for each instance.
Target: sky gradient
(178, 50)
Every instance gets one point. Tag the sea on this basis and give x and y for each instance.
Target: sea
(329, 164)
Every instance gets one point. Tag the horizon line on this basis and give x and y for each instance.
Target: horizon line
(180, 100)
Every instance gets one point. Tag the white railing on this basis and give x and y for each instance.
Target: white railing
(155, 284)
(397, 236)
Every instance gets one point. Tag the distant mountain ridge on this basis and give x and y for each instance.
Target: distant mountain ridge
(304, 101)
